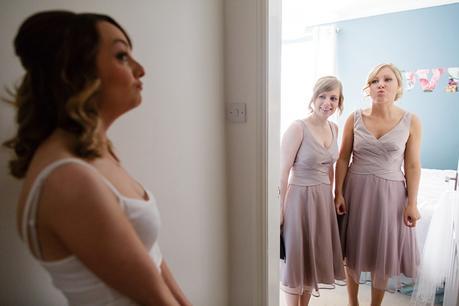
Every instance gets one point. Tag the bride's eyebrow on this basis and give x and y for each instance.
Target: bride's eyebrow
(121, 41)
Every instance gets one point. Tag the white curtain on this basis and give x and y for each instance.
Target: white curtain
(306, 56)
(324, 46)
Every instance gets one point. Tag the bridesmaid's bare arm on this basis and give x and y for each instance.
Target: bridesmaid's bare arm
(412, 165)
(291, 142)
(342, 163)
(331, 175)
(331, 172)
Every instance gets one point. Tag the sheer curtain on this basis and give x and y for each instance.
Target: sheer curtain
(306, 56)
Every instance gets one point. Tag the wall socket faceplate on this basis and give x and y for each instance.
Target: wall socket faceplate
(235, 112)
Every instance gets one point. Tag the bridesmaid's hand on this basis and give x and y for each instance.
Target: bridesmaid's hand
(411, 215)
(340, 205)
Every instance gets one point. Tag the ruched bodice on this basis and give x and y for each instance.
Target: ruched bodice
(312, 162)
(384, 156)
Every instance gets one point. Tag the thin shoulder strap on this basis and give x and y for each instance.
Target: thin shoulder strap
(30, 208)
(303, 124)
(357, 118)
(332, 128)
(305, 127)
(407, 117)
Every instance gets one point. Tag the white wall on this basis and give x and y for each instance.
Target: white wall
(244, 83)
(174, 143)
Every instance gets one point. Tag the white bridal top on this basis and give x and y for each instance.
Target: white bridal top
(78, 284)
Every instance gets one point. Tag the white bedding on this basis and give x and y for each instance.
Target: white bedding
(431, 187)
(437, 234)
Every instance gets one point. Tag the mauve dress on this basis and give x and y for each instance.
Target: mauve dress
(312, 244)
(375, 238)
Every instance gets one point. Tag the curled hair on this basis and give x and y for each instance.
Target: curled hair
(58, 52)
(376, 70)
(324, 84)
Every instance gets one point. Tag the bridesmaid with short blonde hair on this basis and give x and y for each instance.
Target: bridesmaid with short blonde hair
(378, 198)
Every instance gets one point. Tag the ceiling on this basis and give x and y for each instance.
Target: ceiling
(298, 14)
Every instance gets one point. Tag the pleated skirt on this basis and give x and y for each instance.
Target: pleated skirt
(312, 244)
(374, 236)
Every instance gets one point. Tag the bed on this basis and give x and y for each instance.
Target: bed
(438, 236)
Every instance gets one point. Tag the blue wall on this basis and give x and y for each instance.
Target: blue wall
(424, 38)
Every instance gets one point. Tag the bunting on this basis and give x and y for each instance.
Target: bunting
(429, 78)
(453, 79)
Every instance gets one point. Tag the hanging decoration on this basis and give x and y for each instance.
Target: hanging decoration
(429, 78)
(426, 84)
(410, 80)
(453, 79)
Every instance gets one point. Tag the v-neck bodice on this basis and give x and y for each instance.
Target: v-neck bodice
(313, 160)
(386, 133)
(381, 156)
(314, 139)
